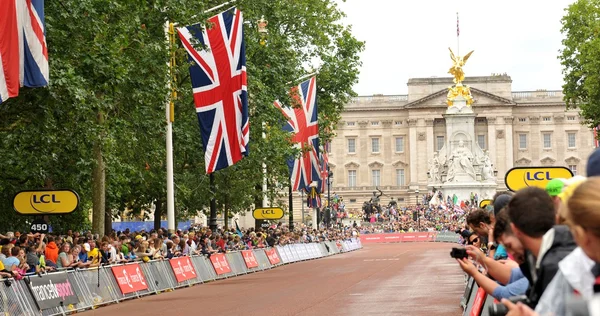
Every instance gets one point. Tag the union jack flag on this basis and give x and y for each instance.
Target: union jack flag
(302, 121)
(596, 139)
(220, 89)
(23, 51)
(313, 199)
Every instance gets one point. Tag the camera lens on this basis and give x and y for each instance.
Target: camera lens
(498, 310)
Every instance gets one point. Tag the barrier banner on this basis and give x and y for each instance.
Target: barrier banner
(130, 278)
(273, 256)
(220, 263)
(183, 269)
(397, 237)
(50, 290)
(339, 246)
(478, 303)
(250, 259)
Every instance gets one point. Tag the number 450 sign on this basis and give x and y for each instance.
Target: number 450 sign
(39, 226)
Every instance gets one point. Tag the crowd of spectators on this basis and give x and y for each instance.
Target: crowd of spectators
(540, 246)
(23, 254)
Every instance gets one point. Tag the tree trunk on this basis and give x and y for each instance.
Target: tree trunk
(107, 222)
(157, 214)
(98, 185)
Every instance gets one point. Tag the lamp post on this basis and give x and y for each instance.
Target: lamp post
(418, 210)
(329, 176)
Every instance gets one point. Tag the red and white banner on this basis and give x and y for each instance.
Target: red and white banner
(273, 256)
(478, 303)
(183, 268)
(130, 278)
(220, 263)
(397, 237)
(250, 259)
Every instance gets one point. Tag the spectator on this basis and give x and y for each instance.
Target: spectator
(11, 262)
(51, 253)
(507, 273)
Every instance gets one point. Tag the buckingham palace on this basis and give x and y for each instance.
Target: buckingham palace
(389, 141)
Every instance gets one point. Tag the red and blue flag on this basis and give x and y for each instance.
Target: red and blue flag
(218, 74)
(23, 51)
(302, 122)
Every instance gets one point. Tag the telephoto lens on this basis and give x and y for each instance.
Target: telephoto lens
(501, 309)
(498, 310)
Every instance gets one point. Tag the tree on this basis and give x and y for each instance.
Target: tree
(580, 58)
(99, 128)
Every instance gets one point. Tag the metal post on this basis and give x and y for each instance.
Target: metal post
(302, 193)
(328, 195)
(291, 201)
(212, 222)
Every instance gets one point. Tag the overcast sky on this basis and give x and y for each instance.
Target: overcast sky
(409, 39)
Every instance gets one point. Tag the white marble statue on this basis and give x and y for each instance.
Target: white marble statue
(434, 168)
(461, 161)
(487, 172)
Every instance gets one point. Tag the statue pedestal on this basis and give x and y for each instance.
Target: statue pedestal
(461, 155)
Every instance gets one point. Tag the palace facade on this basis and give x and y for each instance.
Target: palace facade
(388, 141)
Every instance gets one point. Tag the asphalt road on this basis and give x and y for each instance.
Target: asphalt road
(381, 279)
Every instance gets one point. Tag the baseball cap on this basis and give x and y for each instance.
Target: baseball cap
(593, 165)
(500, 202)
(555, 186)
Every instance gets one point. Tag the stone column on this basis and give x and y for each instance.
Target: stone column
(363, 148)
(510, 160)
(492, 140)
(388, 144)
(430, 141)
(412, 140)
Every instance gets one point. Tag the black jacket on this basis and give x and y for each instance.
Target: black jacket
(562, 245)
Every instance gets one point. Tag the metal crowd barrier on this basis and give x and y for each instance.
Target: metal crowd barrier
(94, 287)
(447, 237)
(474, 304)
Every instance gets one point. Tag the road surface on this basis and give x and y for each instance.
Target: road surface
(381, 279)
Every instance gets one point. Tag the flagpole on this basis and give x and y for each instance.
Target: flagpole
(265, 201)
(303, 77)
(291, 201)
(457, 36)
(169, 111)
(212, 222)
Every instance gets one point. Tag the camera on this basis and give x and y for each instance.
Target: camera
(501, 310)
(459, 253)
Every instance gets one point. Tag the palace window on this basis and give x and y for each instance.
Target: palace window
(375, 145)
(481, 141)
(547, 138)
(572, 140)
(376, 177)
(522, 141)
(399, 177)
(351, 145)
(439, 142)
(352, 178)
(573, 169)
(399, 144)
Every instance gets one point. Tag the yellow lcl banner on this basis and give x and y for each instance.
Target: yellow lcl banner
(484, 203)
(51, 202)
(521, 177)
(268, 213)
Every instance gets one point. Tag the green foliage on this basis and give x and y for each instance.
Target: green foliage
(111, 56)
(581, 59)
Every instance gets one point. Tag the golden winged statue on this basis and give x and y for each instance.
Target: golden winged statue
(458, 62)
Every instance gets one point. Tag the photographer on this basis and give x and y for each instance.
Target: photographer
(506, 272)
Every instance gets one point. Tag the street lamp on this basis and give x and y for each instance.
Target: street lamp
(418, 211)
(329, 176)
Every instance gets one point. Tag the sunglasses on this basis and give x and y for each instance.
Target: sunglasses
(474, 240)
